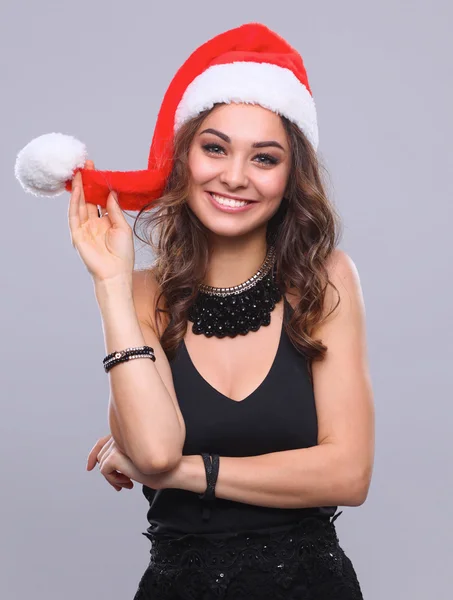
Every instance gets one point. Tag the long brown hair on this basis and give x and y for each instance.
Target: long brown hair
(305, 230)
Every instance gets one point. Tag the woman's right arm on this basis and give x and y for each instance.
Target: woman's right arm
(144, 415)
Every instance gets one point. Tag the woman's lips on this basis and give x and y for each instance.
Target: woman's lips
(229, 209)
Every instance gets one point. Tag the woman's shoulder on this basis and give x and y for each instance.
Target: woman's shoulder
(343, 274)
(339, 266)
(146, 291)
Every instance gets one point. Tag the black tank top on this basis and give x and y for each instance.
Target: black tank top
(279, 415)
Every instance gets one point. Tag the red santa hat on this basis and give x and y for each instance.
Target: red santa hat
(248, 64)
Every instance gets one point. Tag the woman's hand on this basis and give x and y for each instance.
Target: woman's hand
(119, 470)
(116, 479)
(104, 243)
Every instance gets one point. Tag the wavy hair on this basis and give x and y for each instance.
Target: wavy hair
(305, 230)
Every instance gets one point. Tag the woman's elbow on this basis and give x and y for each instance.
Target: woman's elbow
(160, 463)
(357, 487)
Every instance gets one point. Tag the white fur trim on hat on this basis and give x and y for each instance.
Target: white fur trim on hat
(45, 164)
(268, 85)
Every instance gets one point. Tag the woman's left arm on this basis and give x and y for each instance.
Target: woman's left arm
(338, 470)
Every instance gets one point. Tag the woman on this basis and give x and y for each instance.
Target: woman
(253, 420)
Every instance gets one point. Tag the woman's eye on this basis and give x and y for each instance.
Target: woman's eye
(264, 159)
(268, 159)
(212, 148)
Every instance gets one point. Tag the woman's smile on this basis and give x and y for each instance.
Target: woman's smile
(228, 204)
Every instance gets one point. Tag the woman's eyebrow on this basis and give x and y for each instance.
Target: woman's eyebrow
(227, 139)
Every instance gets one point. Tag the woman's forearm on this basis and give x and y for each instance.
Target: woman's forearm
(141, 412)
(301, 478)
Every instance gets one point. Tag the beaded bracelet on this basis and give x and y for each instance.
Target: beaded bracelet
(120, 356)
(109, 356)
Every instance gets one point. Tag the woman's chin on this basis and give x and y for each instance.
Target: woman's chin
(229, 232)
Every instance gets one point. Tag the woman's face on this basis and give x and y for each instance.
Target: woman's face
(241, 152)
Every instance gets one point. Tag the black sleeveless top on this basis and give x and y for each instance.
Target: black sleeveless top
(278, 415)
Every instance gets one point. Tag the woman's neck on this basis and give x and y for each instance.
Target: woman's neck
(232, 261)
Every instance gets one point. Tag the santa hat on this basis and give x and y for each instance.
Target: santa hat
(248, 64)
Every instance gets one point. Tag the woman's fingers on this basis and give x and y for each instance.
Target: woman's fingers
(92, 209)
(78, 210)
(92, 457)
(73, 210)
(116, 479)
(105, 451)
(119, 481)
(83, 208)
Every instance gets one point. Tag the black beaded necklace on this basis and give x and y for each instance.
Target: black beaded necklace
(239, 309)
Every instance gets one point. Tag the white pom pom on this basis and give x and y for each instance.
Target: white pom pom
(45, 164)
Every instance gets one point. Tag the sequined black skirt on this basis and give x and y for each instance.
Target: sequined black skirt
(303, 561)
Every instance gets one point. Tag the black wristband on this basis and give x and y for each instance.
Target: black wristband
(211, 464)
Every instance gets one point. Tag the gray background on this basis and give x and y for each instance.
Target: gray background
(381, 78)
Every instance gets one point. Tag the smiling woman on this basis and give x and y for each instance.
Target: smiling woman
(254, 419)
(246, 245)
(235, 177)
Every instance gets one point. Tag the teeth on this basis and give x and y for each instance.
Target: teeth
(228, 201)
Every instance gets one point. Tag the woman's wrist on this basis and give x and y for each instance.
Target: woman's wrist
(119, 285)
(190, 474)
(115, 297)
(119, 317)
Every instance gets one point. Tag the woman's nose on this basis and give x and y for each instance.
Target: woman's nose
(234, 173)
